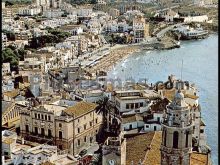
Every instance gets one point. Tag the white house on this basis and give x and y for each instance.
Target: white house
(84, 12)
(129, 100)
(35, 155)
(73, 18)
(6, 68)
(7, 85)
(29, 11)
(144, 1)
(53, 13)
(111, 26)
(131, 123)
(94, 26)
(170, 15)
(101, 2)
(154, 124)
(199, 18)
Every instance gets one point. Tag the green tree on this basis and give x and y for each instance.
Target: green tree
(103, 108)
(12, 55)
(16, 18)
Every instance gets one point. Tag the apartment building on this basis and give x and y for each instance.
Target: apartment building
(140, 28)
(70, 128)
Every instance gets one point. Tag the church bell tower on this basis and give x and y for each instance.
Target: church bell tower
(177, 130)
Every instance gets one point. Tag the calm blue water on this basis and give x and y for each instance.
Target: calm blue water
(200, 66)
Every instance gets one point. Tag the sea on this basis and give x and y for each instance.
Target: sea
(195, 61)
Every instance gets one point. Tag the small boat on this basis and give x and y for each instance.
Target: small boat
(197, 33)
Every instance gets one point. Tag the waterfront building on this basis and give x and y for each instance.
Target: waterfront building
(145, 149)
(129, 100)
(168, 90)
(70, 128)
(133, 100)
(177, 128)
(140, 28)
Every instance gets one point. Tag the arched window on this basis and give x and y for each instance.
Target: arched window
(187, 138)
(165, 137)
(175, 139)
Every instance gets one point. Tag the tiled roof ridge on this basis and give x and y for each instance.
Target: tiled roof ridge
(145, 157)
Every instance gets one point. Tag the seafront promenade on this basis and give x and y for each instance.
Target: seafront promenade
(119, 52)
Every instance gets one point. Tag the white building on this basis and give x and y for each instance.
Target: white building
(129, 100)
(41, 2)
(199, 18)
(73, 18)
(94, 26)
(6, 68)
(140, 28)
(22, 153)
(170, 15)
(53, 13)
(84, 12)
(177, 128)
(35, 155)
(7, 85)
(29, 11)
(103, 2)
(3, 5)
(4, 40)
(131, 123)
(154, 124)
(111, 26)
(144, 1)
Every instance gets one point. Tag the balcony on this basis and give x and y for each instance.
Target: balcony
(38, 138)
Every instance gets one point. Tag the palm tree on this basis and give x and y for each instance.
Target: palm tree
(103, 108)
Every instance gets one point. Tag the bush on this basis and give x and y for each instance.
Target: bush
(12, 55)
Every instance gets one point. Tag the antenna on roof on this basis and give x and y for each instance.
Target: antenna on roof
(182, 69)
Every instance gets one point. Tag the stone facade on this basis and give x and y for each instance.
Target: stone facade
(60, 126)
(177, 129)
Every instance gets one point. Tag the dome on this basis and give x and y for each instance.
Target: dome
(179, 100)
(179, 95)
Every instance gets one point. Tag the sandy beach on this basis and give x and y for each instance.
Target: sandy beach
(117, 53)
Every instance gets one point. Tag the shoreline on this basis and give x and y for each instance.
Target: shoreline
(116, 55)
(121, 52)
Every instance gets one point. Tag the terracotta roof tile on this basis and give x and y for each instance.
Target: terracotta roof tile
(128, 119)
(12, 93)
(80, 108)
(152, 156)
(198, 159)
(47, 163)
(137, 146)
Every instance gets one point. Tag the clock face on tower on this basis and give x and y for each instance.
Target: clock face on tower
(111, 162)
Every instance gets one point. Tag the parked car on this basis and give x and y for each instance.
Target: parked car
(83, 152)
(77, 157)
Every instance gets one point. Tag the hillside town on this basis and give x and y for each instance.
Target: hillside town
(59, 106)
